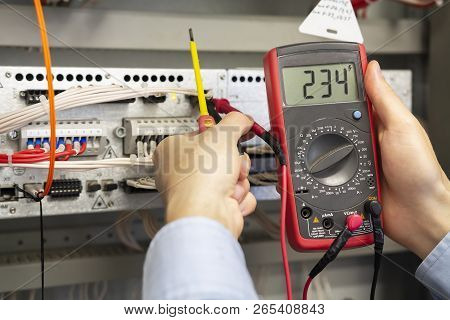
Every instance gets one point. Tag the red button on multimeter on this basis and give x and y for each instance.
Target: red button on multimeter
(321, 115)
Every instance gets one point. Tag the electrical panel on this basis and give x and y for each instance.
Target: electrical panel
(154, 128)
(92, 130)
(120, 115)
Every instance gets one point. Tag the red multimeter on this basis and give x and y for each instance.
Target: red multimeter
(321, 115)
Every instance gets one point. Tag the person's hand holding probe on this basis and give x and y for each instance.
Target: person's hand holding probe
(204, 175)
(415, 190)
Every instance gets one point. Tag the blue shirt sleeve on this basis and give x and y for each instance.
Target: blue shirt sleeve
(434, 271)
(196, 258)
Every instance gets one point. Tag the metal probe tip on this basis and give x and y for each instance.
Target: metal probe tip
(191, 34)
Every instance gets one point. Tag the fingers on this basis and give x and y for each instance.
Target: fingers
(237, 124)
(249, 135)
(248, 205)
(388, 106)
(240, 190)
(245, 166)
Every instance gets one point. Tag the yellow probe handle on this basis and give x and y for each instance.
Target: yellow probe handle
(198, 80)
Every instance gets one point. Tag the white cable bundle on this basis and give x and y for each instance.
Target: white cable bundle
(78, 97)
(86, 165)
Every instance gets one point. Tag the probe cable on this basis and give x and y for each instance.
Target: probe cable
(353, 222)
(283, 192)
(223, 106)
(374, 209)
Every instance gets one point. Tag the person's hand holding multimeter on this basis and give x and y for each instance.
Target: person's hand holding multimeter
(320, 113)
(415, 190)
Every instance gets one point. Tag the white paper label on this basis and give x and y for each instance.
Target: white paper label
(333, 19)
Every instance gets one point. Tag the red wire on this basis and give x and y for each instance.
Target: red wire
(24, 155)
(223, 106)
(306, 287)
(30, 151)
(38, 155)
(82, 149)
(36, 159)
(68, 148)
(287, 273)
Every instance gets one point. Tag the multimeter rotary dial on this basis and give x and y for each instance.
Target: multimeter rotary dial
(332, 165)
(332, 159)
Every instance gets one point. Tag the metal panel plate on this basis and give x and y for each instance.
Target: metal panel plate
(13, 80)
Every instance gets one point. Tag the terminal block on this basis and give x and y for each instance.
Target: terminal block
(154, 128)
(93, 130)
(65, 188)
(8, 193)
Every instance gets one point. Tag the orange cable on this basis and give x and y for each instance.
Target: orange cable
(51, 94)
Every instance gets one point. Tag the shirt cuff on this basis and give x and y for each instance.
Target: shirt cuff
(434, 271)
(196, 258)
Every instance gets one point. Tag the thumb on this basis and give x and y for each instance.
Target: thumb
(388, 106)
(237, 124)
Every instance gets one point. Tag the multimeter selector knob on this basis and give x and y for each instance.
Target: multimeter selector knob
(332, 159)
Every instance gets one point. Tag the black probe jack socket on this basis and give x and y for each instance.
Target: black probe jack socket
(327, 223)
(306, 212)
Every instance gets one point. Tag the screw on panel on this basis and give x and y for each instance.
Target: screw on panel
(107, 76)
(8, 74)
(12, 210)
(222, 77)
(110, 204)
(13, 135)
(120, 132)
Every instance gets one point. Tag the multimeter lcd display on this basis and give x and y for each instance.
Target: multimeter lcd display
(320, 84)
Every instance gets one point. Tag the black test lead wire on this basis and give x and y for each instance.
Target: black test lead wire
(373, 208)
(37, 197)
(41, 227)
